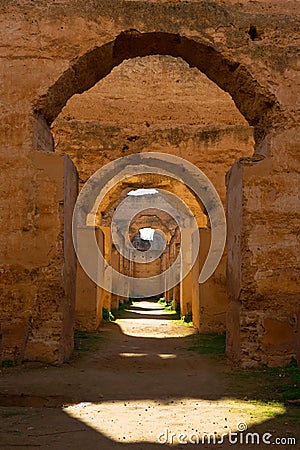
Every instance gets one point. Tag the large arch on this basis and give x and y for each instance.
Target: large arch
(259, 107)
(157, 220)
(256, 104)
(116, 194)
(40, 75)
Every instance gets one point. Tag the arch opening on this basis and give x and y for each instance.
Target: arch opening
(255, 103)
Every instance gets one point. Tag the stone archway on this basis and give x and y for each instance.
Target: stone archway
(257, 105)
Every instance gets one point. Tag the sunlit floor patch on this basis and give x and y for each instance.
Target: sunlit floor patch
(152, 312)
(146, 328)
(149, 327)
(133, 421)
(160, 355)
(145, 304)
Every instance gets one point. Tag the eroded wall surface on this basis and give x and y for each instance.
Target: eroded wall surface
(40, 42)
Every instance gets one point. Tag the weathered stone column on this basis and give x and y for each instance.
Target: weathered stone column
(115, 263)
(186, 284)
(195, 286)
(125, 269)
(89, 296)
(50, 311)
(263, 254)
(176, 289)
(169, 293)
(131, 272)
(107, 255)
(212, 294)
(171, 261)
(164, 265)
(122, 270)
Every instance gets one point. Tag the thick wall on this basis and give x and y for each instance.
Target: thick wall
(141, 270)
(265, 289)
(37, 308)
(89, 296)
(211, 148)
(234, 209)
(213, 298)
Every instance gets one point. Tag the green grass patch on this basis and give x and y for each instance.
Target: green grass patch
(181, 321)
(208, 344)
(267, 409)
(174, 307)
(169, 306)
(123, 307)
(270, 389)
(188, 318)
(289, 382)
(258, 410)
(6, 363)
(107, 316)
(6, 412)
(85, 341)
(273, 384)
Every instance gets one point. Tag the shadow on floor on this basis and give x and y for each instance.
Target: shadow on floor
(124, 369)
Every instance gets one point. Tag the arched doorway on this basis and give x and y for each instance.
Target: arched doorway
(255, 103)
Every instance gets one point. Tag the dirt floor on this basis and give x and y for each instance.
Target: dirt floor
(137, 387)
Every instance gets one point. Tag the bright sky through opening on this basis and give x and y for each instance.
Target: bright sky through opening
(147, 234)
(143, 191)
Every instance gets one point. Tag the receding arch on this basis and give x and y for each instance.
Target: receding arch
(119, 192)
(256, 103)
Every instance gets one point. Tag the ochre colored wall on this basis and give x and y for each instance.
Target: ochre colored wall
(89, 296)
(44, 42)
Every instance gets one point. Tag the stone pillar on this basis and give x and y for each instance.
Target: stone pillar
(234, 213)
(52, 308)
(171, 261)
(186, 284)
(176, 289)
(186, 287)
(107, 254)
(124, 268)
(115, 262)
(89, 296)
(212, 294)
(14, 338)
(164, 265)
(131, 272)
(263, 254)
(169, 292)
(121, 269)
(195, 285)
